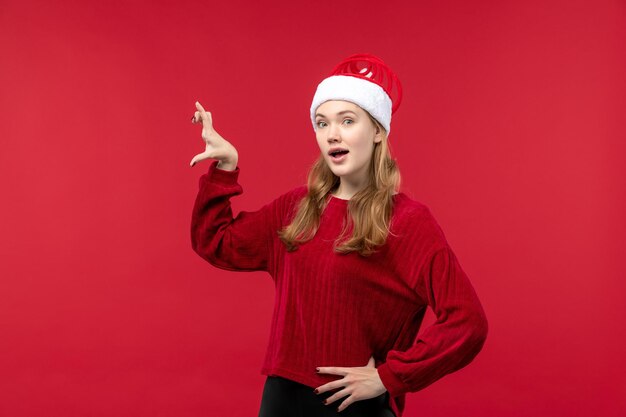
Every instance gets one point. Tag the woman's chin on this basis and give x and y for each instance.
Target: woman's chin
(337, 171)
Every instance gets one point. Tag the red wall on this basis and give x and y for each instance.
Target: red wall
(511, 130)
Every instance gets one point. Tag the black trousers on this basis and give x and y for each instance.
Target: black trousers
(286, 398)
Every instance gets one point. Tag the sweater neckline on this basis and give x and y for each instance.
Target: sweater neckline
(342, 201)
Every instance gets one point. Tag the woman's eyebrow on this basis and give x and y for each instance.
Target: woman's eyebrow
(341, 112)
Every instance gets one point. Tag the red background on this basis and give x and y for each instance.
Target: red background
(511, 130)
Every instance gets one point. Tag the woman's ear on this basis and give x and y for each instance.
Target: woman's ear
(379, 135)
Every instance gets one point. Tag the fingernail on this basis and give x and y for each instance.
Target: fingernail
(317, 369)
(316, 391)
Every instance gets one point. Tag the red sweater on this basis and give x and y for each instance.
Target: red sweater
(339, 309)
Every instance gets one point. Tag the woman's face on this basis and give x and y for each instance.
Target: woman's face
(343, 124)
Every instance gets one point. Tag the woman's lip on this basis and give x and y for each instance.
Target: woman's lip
(339, 158)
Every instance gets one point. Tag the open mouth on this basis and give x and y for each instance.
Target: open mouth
(338, 153)
(338, 156)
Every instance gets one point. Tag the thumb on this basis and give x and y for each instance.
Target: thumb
(371, 362)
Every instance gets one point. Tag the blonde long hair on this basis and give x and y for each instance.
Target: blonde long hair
(369, 210)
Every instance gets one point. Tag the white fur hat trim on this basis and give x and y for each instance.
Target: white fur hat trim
(366, 94)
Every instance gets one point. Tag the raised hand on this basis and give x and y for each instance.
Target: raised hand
(216, 146)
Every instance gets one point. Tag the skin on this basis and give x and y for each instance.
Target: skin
(359, 383)
(352, 131)
(216, 146)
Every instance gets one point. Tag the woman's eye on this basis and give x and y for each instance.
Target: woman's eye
(348, 120)
(319, 124)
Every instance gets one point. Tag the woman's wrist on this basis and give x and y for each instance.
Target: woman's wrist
(227, 165)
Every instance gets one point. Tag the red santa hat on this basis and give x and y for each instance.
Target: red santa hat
(365, 80)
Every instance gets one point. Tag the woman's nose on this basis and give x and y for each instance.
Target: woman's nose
(333, 132)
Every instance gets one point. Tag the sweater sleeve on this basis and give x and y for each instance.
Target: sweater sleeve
(450, 343)
(243, 243)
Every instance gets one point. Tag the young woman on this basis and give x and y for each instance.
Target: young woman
(355, 263)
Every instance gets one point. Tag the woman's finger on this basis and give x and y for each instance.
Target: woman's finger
(207, 121)
(198, 158)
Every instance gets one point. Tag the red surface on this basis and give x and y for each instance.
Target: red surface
(511, 129)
